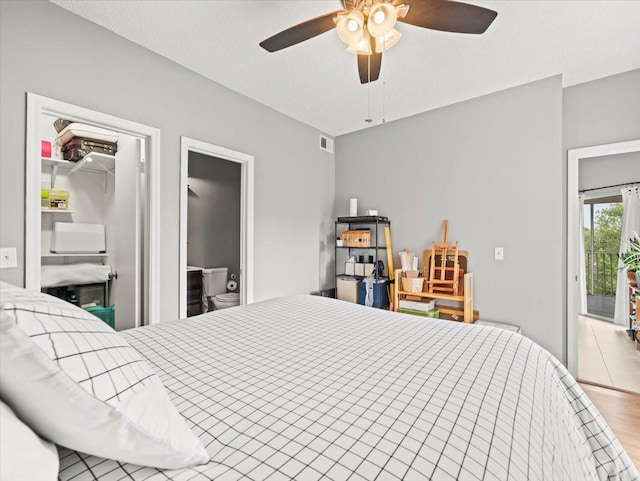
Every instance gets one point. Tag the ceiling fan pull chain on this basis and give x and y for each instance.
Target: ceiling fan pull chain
(368, 119)
(383, 102)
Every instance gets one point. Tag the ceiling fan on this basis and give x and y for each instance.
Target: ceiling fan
(368, 26)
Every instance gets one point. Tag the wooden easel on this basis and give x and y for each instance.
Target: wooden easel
(390, 269)
(444, 276)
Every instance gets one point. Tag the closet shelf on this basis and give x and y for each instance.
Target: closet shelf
(53, 254)
(57, 211)
(108, 161)
(94, 162)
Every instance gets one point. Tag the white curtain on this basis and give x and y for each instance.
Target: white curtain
(630, 226)
(582, 276)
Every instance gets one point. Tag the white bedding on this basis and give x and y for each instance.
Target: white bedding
(312, 388)
(87, 132)
(73, 274)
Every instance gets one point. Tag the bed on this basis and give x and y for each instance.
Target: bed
(309, 388)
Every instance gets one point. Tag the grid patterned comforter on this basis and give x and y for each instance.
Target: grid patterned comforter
(309, 388)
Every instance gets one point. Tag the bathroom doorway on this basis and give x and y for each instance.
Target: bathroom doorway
(216, 216)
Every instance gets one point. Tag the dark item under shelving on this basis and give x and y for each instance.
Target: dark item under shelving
(194, 292)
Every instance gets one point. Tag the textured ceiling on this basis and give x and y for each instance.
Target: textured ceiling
(317, 82)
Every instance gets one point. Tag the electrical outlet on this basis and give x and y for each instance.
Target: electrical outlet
(498, 253)
(8, 257)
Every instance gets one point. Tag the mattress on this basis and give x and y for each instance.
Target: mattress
(310, 388)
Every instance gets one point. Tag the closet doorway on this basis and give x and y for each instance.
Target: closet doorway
(216, 217)
(119, 192)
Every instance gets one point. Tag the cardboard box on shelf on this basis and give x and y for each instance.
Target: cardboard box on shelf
(347, 289)
(58, 199)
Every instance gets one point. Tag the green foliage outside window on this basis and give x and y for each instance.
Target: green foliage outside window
(607, 227)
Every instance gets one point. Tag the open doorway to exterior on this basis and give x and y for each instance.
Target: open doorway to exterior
(606, 355)
(602, 224)
(608, 165)
(216, 227)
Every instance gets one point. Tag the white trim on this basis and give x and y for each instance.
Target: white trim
(246, 215)
(38, 105)
(573, 159)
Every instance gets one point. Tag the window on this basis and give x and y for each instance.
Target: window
(602, 230)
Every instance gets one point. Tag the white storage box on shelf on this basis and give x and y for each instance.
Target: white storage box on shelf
(350, 268)
(425, 305)
(364, 269)
(78, 238)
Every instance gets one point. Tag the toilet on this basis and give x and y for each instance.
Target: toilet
(214, 287)
(228, 299)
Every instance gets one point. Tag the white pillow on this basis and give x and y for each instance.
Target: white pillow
(77, 382)
(24, 456)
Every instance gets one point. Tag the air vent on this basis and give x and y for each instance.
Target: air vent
(326, 144)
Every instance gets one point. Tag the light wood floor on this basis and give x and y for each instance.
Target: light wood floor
(621, 410)
(606, 355)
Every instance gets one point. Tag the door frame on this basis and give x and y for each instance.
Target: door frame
(37, 105)
(246, 214)
(573, 217)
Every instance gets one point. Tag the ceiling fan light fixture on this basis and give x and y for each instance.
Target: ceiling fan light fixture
(350, 27)
(362, 47)
(382, 18)
(402, 10)
(387, 41)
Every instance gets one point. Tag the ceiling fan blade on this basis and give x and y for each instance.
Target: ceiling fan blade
(449, 16)
(301, 32)
(369, 67)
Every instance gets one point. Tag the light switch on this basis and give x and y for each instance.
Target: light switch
(498, 253)
(8, 257)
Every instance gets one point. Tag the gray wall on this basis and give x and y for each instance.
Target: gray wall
(609, 170)
(603, 111)
(49, 51)
(492, 166)
(213, 220)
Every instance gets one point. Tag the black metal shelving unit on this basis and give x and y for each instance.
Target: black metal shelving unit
(377, 246)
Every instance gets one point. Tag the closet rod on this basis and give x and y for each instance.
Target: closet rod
(627, 184)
